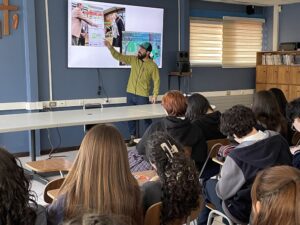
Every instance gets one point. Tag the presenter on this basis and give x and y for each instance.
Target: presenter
(143, 70)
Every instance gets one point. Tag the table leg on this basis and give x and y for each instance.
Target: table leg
(32, 145)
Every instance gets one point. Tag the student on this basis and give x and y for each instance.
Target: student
(178, 127)
(267, 113)
(275, 197)
(17, 204)
(99, 181)
(177, 186)
(256, 150)
(280, 98)
(200, 112)
(293, 114)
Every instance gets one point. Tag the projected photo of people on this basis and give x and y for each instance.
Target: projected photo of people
(87, 25)
(114, 20)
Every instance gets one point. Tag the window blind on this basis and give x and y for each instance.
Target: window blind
(205, 42)
(242, 38)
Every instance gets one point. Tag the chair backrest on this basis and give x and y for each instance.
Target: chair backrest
(152, 216)
(296, 138)
(54, 184)
(214, 145)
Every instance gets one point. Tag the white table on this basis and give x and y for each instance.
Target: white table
(42, 120)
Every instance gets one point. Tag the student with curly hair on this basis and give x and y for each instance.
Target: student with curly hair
(17, 204)
(100, 180)
(275, 197)
(177, 186)
(256, 150)
(178, 127)
(293, 114)
(268, 114)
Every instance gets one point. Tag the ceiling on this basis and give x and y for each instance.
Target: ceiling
(257, 2)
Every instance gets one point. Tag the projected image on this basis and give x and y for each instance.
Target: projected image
(90, 23)
(114, 21)
(132, 40)
(87, 26)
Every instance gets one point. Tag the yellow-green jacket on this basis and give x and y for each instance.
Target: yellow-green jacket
(139, 82)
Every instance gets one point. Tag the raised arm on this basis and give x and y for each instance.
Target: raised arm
(127, 59)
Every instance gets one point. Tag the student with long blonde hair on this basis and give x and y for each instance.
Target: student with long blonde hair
(100, 180)
(275, 197)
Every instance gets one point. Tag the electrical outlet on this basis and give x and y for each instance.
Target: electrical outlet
(52, 104)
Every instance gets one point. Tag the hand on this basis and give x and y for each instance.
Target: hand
(153, 99)
(107, 43)
(293, 149)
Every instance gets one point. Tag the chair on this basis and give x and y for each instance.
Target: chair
(87, 127)
(152, 216)
(296, 138)
(214, 213)
(211, 146)
(52, 185)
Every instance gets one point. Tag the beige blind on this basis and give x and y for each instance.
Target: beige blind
(205, 42)
(242, 38)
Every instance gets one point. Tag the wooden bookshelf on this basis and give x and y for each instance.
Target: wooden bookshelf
(285, 75)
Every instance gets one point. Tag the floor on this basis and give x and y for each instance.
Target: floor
(38, 187)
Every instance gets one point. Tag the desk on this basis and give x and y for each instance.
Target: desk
(142, 177)
(42, 120)
(218, 161)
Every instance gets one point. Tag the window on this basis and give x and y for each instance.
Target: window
(231, 42)
(206, 42)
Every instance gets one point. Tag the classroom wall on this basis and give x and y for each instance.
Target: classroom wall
(289, 23)
(217, 78)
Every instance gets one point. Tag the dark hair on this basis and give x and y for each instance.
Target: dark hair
(15, 193)
(293, 110)
(278, 191)
(178, 175)
(267, 112)
(174, 103)
(96, 219)
(197, 106)
(280, 98)
(238, 120)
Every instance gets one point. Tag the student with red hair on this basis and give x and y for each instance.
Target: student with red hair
(188, 135)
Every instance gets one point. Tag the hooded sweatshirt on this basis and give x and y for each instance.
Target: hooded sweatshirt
(184, 132)
(241, 166)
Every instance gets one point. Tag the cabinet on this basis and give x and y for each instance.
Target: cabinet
(285, 75)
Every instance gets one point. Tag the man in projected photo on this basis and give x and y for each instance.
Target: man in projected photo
(143, 70)
(77, 18)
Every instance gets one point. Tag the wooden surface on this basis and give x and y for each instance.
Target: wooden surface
(50, 165)
(142, 177)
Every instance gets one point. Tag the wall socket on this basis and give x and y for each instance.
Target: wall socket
(52, 104)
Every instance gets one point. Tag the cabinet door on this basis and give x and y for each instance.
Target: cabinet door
(261, 74)
(283, 75)
(295, 75)
(269, 86)
(285, 89)
(260, 87)
(294, 92)
(272, 74)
